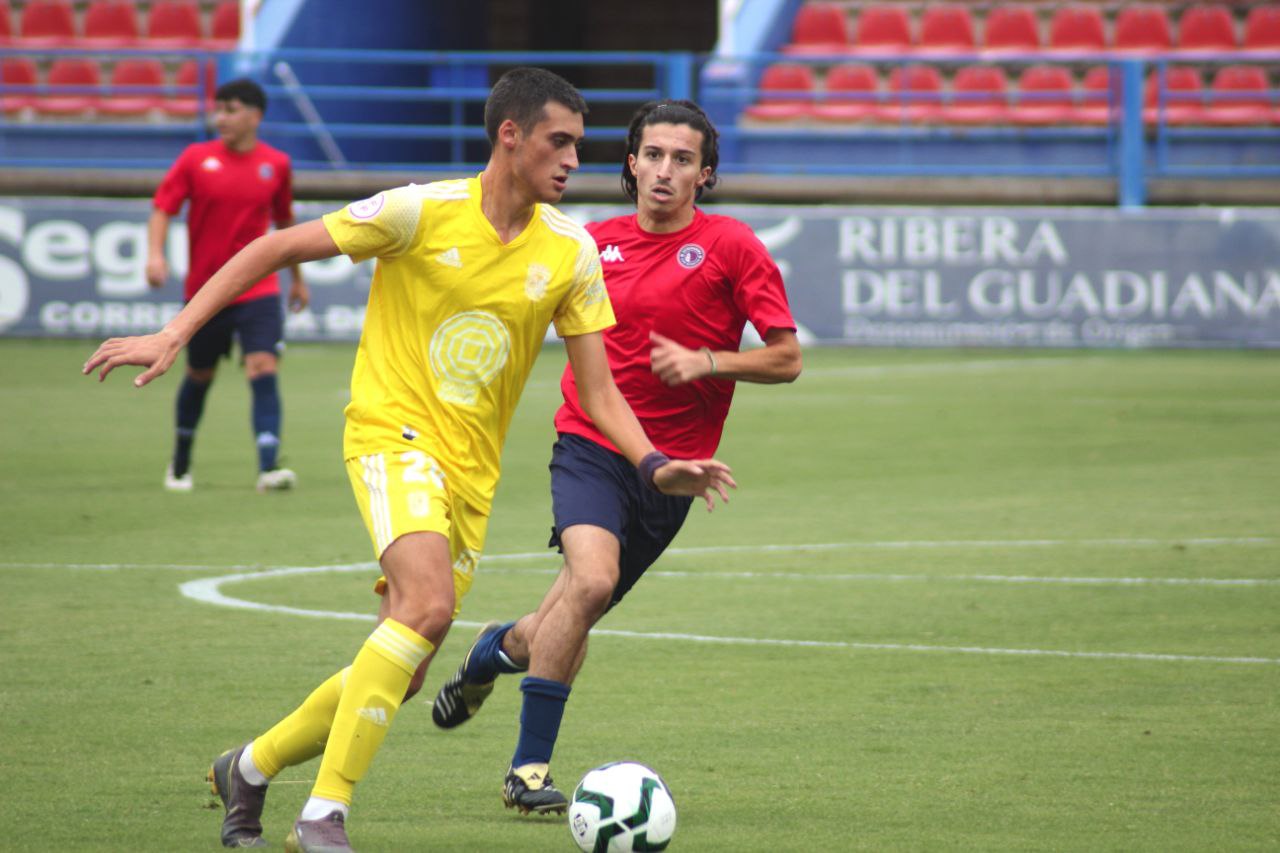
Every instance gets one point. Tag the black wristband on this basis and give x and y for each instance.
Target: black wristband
(649, 466)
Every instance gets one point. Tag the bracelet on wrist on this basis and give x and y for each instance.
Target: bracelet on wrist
(711, 357)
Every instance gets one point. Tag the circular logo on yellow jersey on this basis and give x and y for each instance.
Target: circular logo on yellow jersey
(467, 352)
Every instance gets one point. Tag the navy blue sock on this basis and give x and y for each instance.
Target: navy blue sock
(266, 419)
(539, 720)
(487, 661)
(190, 406)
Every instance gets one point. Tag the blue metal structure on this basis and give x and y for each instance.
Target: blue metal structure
(422, 110)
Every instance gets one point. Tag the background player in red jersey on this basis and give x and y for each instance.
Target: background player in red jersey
(237, 186)
(683, 284)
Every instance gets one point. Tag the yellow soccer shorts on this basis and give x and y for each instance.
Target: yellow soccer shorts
(404, 491)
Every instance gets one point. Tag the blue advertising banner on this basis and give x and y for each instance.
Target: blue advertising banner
(1017, 277)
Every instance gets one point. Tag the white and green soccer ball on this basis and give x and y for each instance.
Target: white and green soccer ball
(622, 806)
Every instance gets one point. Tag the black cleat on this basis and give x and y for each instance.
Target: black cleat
(327, 835)
(530, 789)
(242, 823)
(458, 699)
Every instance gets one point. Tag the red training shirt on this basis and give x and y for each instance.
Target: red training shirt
(697, 286)
(234, 198)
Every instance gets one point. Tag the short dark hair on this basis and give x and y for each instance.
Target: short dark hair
(243, 90)
(672, 112)
(522, 95)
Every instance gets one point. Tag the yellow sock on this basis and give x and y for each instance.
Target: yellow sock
(301, 736)
(375, 687)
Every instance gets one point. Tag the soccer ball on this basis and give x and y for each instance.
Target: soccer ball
(622, 806)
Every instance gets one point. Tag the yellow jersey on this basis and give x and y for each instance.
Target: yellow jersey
(455, 320)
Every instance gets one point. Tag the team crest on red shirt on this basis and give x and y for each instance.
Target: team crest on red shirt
(690, 255)
(266, 171)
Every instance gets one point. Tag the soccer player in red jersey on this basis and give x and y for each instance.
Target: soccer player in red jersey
(683, 284)
(237, 185)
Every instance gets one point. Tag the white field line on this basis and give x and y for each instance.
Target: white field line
(906, 544)
(208, 590)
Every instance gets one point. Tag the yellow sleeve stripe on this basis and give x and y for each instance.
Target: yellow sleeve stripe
(564, 226)
(446, 189)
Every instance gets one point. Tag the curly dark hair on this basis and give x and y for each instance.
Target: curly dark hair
(522, 95)
(672, 112)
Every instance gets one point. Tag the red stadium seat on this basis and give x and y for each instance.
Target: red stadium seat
(860, 84)
(20, 72)
(6, 22)
(224, 30)
(1182, 101)
(174, 23)
(915, 95)
(1240, 96)
(138, 73)
(1206, 28)
(1097, 100)
(1142, 29)
(1077, 29)
(819, 28)
(946, 28)
(48, 23)
(882, 29)
(1045, 96)
(1012, 29)
(1262, 28)
(110, 23)
(187, 104)
(786, 93)
(980, 95)
(75, 74)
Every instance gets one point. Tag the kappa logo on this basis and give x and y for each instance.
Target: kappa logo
(451, 258)
(690, 255)
(211, 164)
(377, 716)
(612, 254)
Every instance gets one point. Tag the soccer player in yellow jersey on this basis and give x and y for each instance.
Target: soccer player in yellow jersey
(469, 275)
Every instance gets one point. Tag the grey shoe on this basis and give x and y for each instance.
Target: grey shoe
(529, 788)
(327, 835)
(242, 823)
(459, 700)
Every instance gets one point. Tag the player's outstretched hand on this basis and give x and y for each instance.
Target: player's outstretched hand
(704, 478)
(154, 352)
(675, 364)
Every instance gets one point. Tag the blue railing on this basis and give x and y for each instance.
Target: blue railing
(409, 110)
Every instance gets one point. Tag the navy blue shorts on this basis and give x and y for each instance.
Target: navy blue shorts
(593, 485)
(257, 324)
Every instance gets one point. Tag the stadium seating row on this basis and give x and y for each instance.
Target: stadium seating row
(74, 88)
(824, 28)
(981, 94)
(108, 24)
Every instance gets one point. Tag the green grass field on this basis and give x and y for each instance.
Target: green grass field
(962, 601)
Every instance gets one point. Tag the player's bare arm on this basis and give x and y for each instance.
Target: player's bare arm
(776, 362)
(309, 241)
(608, 410)
(299, 293)
(157, 231)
